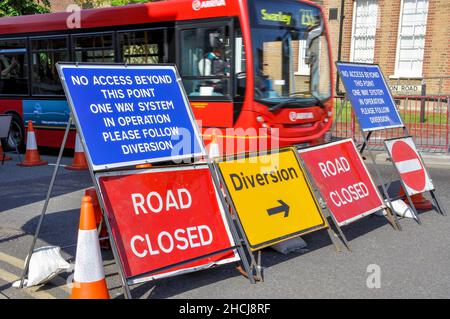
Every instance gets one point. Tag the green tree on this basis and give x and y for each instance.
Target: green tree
(102, 3)
(22, 7)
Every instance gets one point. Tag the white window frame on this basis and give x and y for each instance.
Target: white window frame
(352, 39)
(398, 73)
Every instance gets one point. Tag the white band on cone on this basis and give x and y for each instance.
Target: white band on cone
(88, 261)
(31, 141)
(78, 146)
(214, 150)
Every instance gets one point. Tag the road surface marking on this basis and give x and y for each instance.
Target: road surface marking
(9, 277)
(58, 281)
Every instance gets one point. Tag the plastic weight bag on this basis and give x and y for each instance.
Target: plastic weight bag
(290, 245)
(46, 263)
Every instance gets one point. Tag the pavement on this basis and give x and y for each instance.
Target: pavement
(413, 263)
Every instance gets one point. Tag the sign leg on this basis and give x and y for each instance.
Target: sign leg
(47, 200)
(237, 239)
(416, 215)
(383, 186)
(437, 203)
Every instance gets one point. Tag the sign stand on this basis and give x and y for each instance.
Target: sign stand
(390, 213)
(375, 109)
(99, 163)
(231, 222)
(254, 269)
(256, 264)
(47, 200)
(327, 213)
(404, 186)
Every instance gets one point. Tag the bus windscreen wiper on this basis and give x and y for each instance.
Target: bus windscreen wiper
(280, 105)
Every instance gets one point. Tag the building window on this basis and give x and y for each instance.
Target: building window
(411, 38)
(365, 13)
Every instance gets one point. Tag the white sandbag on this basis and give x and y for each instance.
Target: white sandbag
(290, 245)
(46, 262)
(402, 209)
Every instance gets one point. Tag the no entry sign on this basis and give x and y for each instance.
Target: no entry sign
(369, 96)
(271, 197)
(162, 217)
(129, 115)
(409, 165)
(343, 180)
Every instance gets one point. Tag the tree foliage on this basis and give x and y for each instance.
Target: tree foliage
(22, 7)
(102, 3)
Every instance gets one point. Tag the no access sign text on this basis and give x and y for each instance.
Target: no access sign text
(131, 114)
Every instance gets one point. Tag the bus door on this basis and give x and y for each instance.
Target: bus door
(205, 62)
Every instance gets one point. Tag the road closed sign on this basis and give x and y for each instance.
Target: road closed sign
(343, 179)
(128, 115)
(409, 165)
(271, 197)
(163, 217)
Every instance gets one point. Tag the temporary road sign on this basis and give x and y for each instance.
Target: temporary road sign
(369, 96)
(129, 114)
(342, 178)
(163, 217)
(408, 163)
(271, 196)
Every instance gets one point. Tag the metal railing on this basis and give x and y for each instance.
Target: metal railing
(426, 117)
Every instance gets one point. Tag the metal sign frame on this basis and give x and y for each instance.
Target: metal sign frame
(256, 266)
(124, 282)
(390, 212)
(367, 213)
(196, 130)
(148, 276)
(402, 183)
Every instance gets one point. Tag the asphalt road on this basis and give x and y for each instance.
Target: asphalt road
(413, 263)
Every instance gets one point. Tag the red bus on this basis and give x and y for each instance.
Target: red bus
(245, 64)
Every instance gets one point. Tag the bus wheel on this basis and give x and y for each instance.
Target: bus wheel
(16, 135)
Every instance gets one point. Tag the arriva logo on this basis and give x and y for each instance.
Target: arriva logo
(201, 4)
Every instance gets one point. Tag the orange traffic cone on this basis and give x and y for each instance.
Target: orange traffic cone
(7, 158)
(147, 165)
(79, 160)
(104, 243)
(419, 201)
(214, 147)
(32, 157)
(89, 277)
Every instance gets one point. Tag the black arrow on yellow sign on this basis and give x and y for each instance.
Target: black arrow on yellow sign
(283, 208)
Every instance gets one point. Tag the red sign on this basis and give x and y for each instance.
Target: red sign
(162, 217)
(343, 179)
(409, 165)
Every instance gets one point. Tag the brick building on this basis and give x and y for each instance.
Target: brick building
(409, 39)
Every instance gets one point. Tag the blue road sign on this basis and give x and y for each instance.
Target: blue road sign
(369, 96)
(129, 115)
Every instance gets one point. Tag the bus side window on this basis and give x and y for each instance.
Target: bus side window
(205, 61)
(94, 47)
(13, 67)
(45, 54)
(142, 47)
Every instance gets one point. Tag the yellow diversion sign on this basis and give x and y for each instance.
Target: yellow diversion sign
(271, 196)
